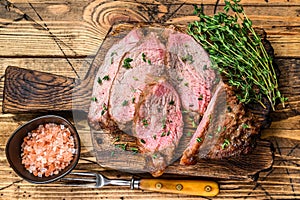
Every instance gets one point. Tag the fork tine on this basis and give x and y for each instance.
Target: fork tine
(90, 179)
(83, 173)
(79, 179)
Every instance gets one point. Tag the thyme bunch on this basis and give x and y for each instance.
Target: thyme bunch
(238, 53)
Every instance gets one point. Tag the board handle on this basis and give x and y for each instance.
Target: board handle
(33, 91)
(187, 187)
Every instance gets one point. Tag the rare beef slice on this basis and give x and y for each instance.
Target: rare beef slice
(158, 124)
(146, 61)
(190, 71)
(225, 130)
(98, 111)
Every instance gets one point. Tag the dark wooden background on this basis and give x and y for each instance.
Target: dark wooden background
(61, 37)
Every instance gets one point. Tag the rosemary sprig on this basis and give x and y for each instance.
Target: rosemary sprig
(238, 53)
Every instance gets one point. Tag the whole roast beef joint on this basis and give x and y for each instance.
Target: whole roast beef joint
(158, 85)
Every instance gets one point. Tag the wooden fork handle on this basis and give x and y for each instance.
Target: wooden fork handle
(187, 187)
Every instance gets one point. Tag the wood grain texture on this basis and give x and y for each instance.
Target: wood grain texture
(43, 91)
(76, 32)
(58, 36)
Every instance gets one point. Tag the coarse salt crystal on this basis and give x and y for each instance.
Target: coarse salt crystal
(44, 161)
(44, 148)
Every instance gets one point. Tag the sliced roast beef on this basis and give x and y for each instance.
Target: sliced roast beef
(190, 71)
(98, 115)
(144, 62)
(133, 82)
(225, 129)
(158, 124)
(149, 86)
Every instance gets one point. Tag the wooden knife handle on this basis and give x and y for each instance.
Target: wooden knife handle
(187, 187)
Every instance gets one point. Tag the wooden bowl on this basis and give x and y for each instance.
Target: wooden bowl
(14, 149)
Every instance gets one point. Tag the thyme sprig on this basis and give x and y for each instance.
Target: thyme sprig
(238, 53)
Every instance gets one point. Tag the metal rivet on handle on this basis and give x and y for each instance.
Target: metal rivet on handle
(158, 185)
(179, 187)
(207, 188)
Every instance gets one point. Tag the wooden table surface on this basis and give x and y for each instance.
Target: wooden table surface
(62, 36)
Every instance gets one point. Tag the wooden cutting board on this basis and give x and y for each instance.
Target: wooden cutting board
(39, 92)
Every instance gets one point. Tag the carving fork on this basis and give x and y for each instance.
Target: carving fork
(187, 187)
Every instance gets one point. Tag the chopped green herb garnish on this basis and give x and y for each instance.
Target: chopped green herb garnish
(163, 134)
(106, 78)
(245, 125)
(154, 137)
(117, 139)
(194, 125)
(134, 149)
(145, 122)
(104, 106)
(128, 60)
(172, 102)
(188, 57)
(112, 153)
(99, 80)
(225, 144)
(179, 79)
(168, 133)
(135, 78)
(122, 146)
(186, 84)
(154, 156)
(94, 99)
(149, 61)
(111, 55)
(219, 129)
(143, 141)
(200, 97)
(104, 109)
(163, 121)
(205, 67)
(229, 109)
(199, 139)
(144, 57)
(133, 90)
(133, 99)
(126, 63)
(125, 103)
